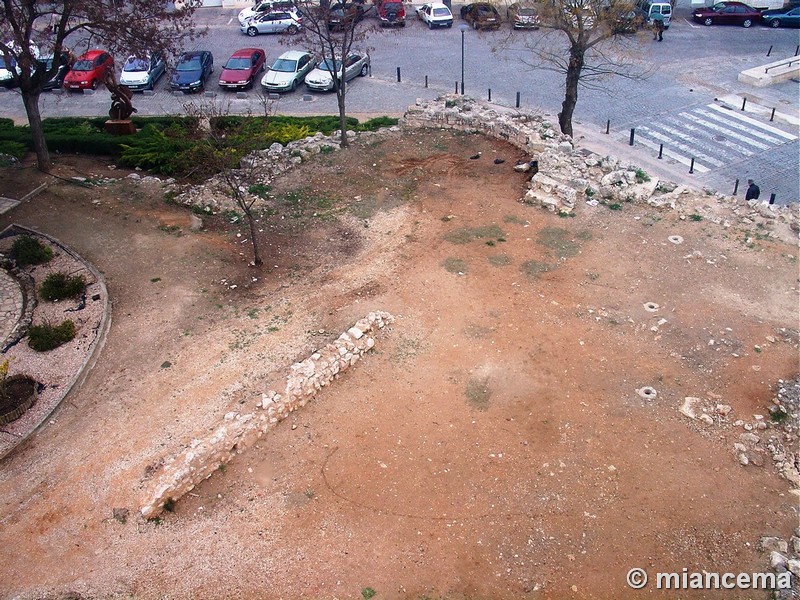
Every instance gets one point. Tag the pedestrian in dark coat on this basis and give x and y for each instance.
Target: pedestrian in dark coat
(658, 27)
(753, 192)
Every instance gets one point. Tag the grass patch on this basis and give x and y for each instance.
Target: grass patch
(58, 286)
(454, 265)
(695, 217)
(47, 336)
(532, 268)
(478, 393)
(642, 176)
(499, 260)
(27, 250)
(514, 219)
(368, 593)
(614, 206)
(561, 241)
(465, 235)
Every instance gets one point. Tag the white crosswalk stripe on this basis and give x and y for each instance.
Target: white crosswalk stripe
(712, 135)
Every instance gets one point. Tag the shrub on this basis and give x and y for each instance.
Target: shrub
(47, 336)
(12, 148)
(27, 250)
(58, 286)
(377, 123)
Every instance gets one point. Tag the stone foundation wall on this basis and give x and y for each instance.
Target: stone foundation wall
(197, 462)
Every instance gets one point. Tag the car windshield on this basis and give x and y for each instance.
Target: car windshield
(136, 65)
(441, 12)
(189, 65)
(327, 65)
(238, 64)
(284, 65)
(526, 11)
(3, 63)
(393, 5)
(83, 65)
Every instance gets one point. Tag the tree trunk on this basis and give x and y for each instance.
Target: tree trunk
(252, 223)
(340, 93)
(576, 60)
(31, 101)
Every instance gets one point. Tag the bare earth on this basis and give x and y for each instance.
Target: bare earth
(492, 446)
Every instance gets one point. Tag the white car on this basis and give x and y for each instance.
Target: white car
(321, 78)
(142, 73)
(435, 14)
(262, 8)
(288, 70)
(6, 77)
(273, 22)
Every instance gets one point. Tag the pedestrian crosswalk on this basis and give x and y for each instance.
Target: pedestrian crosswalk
(712, 136)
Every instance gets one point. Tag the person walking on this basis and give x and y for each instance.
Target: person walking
(753, 191)
(658, 27)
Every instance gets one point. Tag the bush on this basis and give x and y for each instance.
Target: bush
(47, 336)
(378, 123)
(27, 250)
(58, 286)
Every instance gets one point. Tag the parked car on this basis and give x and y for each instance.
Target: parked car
(481, 15)
(342, 14)
(321, 78)
(435, 14)
(391, 12)
(65, 60)
(655, 10)
(288, 71)
(242, 67)
(629, 21)
(523, 16)
(782, 17)
(273, 22)
(727, 13)
(143, 73)
(89, 70)
(6, 69)
(264, 7)
(192, 71)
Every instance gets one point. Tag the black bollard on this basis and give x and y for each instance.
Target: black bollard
(744, 101)
(736, 187)
(633, 132)
(398, 74)
(426, 81)
(456, 87)
(608, 126)
(490, 94)
(661, 151)
(772, 116)
(517, 99)
(769, 51)
(772, 198)
(691, 167)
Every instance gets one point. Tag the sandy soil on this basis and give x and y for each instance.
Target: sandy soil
(492, 446)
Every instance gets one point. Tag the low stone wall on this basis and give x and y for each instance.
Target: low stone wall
(181, 473)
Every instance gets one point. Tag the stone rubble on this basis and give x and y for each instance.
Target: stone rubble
(179, 474)
(783, 558)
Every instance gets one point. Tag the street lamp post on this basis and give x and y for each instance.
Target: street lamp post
(463, 27)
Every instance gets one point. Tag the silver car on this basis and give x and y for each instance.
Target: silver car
(288, 70)
(321, 79)
(273, 22)
(142, 73)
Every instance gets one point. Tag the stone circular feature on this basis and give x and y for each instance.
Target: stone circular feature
(675, 239)
(651, 306)
(647, 392)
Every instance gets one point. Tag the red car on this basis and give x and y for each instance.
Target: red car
(727, 13)
(89, 70)
(241, 69)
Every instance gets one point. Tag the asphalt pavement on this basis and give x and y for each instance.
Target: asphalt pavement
(682, 92)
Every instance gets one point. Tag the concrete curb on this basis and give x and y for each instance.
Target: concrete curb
(95, 348)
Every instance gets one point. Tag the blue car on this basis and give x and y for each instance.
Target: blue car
(782, 17)
(192, 71)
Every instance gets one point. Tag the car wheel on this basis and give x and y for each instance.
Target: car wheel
(294, 85)
(252, 31)
(292, 30)
(94, 84)
(775, 23)
(430, 25)
(150, 85)
(708, 21)
(747, 23)
(449, 25)
(364, 71)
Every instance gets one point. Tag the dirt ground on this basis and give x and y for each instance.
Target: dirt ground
(492, 446)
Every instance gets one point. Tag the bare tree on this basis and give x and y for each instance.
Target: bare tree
(133, 26)
(331, 30)
(601, 42)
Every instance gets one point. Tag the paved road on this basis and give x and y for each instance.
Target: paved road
(681, 103)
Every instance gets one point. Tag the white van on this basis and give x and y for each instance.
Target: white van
(655, 7)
